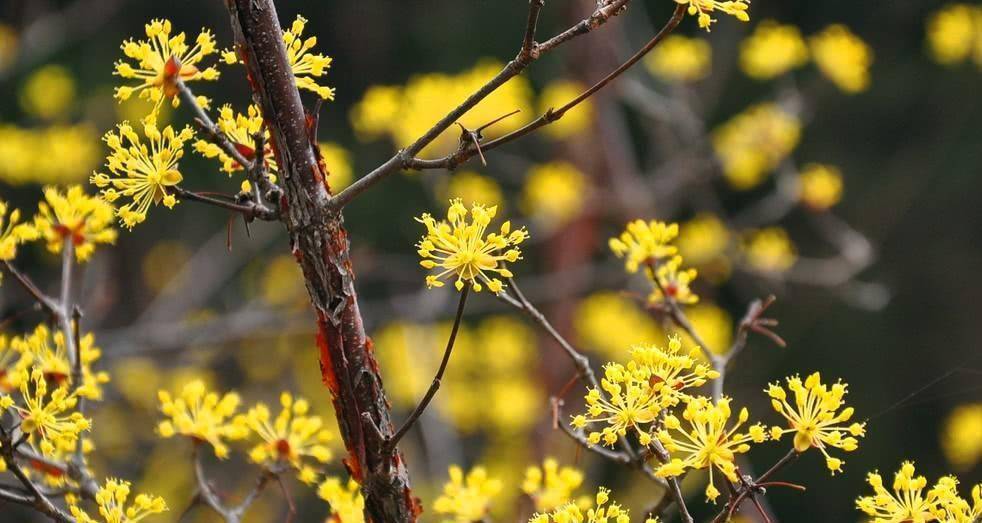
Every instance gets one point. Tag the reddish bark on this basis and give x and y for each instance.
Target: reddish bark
(320, 245)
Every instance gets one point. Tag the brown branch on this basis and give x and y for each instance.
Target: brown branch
(405, 158)
(39, 296)
(37, 498)
(251, 210)
(453, 160)
(435, 384)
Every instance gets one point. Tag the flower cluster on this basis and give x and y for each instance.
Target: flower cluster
(702, 9)
(346, 502)
(769, 250)
(821, 186)
(48, 419)
(161, 61)
(291, 437)
(843, 58)
(144, 171)
(954, 34)
(631, 396)
(307, 66)
(48, 353)
(705, 441)
(112, 499)
(467, 498)
(605, 511)
(75, 216)
(554, 193)
(771, 50)
(13, 232)
(459, 246)
(818, 417)
(201, 415)
(645, 243)
(908, 500)
(240, 129)
(59, 153)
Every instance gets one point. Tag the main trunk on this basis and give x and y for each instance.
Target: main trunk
(320, 245)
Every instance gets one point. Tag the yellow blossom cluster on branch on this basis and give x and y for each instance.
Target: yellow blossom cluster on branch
(604, 511)
(290, 438)
(704, 9)
(112, 499)
(458, 247)
(74, 216)
(47, 352)
(907, 499)
(48, 419)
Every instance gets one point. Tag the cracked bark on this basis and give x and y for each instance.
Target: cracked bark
(320, 245)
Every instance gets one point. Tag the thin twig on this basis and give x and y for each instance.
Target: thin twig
(391, 443)
(38, 499)
(250, 211)
(214, 133)
(40, 297)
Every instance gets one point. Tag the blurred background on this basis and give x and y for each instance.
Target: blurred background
(852, 199)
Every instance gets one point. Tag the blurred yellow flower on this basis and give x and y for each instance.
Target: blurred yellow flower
(47, 353)
(550, 485)
(821, 186)
(406, 113)
(467, 499)
(470, 187)
(339, 166)
(713, 324)
(954, 34)
(75, 216)
(680, 59)
(703, 242)
(557, 94)
(554, 193)
(459, 247)
(705, 441)
(282, 282)
(163, 266)
(751, 144)
(842, 57)
(645, 243)
(818, 418)
(960, 436)
(112, 498)
(48, 92)
(347, 503)
(769, 250)
(291, 437)
(46, 417)
(13, 232)
(771, 50)
(610, 323)
(144, 174)
(702, 9)
(57, 154)
(162, 60)
(601, 513)
(201, 415)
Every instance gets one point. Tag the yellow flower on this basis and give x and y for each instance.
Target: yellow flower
(843, 58)
(550, 486)
(37, 352)
(13, 233)
(954, 33)
(821, 186)
(48, 93)
(675, 282)
(554, 193)
(461, 248)
(751, 144)
(771, 50)
(960, 439)
(55, 154)
(306, 65)
(817, 418)
(291, 437)
(112, 498)
(557, 94)
(74, 215)
(601, 513)
(713, 325)
(465, 500)
(200, 415)
(46, 418)
(644, 243)
(680, 59)
(347, 503)
(377, 111)
(672, 371)
(703, 242)
(609, 323)
(703, 8)
(769, 250)
(144, 174)
(707, 442)
(908, 502)
(161, 60)
(338, 161)
(470, 187)
(240, 129)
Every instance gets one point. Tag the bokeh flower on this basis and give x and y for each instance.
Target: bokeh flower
(754, 142)
(558, 93)
(680, 59)
(13, 232)
(954, 34)
(467, 499)
(73, 215)
(554, 193)
(771, 50)
(550, 485)
(843, 58)
(960, 439)
(346, 502)
(821, 186)
(460, 247)
(769, 250)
